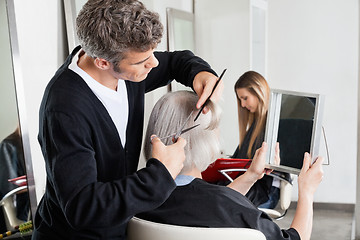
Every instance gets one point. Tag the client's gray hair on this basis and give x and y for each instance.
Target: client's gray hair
(167, 117)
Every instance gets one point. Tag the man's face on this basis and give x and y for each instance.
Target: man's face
(135, 66)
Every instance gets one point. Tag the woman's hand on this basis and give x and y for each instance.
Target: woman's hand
(310, 175)
(277, 154)
(257, 167)
(308, 181)
(256, 170)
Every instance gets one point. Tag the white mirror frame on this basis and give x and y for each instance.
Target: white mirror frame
(272, 126)
(20, 96)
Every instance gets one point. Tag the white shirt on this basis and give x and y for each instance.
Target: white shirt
(115, 102)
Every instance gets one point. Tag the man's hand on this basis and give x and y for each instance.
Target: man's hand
(203, 85)
(172, 156)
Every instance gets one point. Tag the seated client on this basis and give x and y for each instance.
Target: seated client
(195, 202)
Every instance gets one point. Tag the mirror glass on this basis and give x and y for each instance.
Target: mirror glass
(180, 29)
(294, 121)
(16, 178)
(72, 8)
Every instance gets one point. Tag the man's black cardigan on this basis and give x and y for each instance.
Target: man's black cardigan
(92, 187)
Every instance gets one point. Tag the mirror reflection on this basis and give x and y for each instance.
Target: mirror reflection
(295, 128)
(14, 204)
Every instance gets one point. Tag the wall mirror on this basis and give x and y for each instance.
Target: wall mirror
(181, 32)
(294, 120)
(17, 188)
(72, 8)
(180, 36)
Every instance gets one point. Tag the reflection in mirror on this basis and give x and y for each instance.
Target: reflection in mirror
(294, 121)
(17, 190)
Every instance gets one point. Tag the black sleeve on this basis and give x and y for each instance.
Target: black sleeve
(259, 220)
(105, 204)
(179, 65)
(72, 172)
(272, 231)
(236, 153)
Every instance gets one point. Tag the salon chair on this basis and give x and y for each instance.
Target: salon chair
(284, 201)
(225, 169)
(7, 204)
(139, 229)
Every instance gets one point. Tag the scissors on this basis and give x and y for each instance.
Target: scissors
(182, 130)
(208, 99)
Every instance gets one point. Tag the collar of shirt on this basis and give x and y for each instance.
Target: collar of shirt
(182, 180)
(115, 102)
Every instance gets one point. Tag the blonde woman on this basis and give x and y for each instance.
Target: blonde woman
(252, 93)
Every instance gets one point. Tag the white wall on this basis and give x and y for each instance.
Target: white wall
(313, 47)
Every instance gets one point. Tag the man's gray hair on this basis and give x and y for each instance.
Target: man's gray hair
(167, 117)
(109, 28)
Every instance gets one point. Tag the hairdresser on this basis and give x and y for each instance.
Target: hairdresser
(91, 122)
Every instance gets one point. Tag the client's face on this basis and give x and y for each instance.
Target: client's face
(247, 99)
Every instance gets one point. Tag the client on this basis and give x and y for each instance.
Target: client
(195, 202)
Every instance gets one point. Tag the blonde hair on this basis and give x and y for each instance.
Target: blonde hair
(256, 84)
(170, 113)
